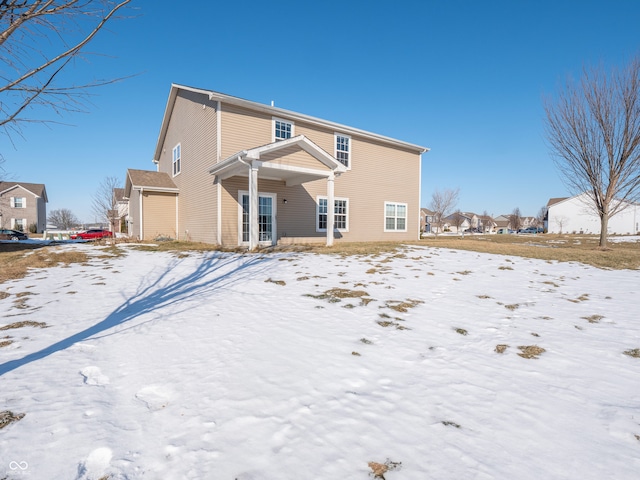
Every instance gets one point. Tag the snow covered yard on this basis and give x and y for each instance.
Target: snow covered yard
(307, 366)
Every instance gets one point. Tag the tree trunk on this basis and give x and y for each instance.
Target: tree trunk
(604, 225)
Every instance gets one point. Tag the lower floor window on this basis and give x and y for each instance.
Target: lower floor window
(18, 224)
(340, 214)
(395, 217)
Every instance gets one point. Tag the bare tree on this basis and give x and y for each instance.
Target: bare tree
(457, 219)
(561, 222)
(442, 202)
(593, 129)
(515, 219)
(105, 206)
(542, 213)
(38, 40)
(63, 218)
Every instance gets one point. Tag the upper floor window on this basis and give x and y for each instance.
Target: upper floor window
(340, 214)
(176, 159)
(18, 202)
(395, 217)
(343, 149)
(282, 129)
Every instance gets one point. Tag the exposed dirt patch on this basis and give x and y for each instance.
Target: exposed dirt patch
(501, 348)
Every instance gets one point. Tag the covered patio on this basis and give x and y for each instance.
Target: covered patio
(268, 162)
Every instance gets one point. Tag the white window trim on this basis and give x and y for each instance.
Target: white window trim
(173, 160)
(335, 148)
(324, 197)
(24, 202)
(406, 217)
(273, 128)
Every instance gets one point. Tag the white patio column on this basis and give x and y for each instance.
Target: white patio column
(253, 206)
(330, 208)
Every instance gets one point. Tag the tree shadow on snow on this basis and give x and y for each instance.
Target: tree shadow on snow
(210, 275)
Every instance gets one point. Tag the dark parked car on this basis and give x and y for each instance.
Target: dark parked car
(14, 235)
(93, 234)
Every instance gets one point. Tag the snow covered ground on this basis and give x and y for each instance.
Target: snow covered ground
(307, 366)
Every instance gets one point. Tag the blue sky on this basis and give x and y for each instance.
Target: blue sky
(463, 78)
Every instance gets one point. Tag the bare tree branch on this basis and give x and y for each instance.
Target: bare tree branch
(38, 40)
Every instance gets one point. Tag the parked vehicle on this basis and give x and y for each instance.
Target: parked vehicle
(93, 234)
(14, 235)
(531, 230)
(504, 230)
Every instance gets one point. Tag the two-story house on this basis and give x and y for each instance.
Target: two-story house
(234, 172)
(22, 205)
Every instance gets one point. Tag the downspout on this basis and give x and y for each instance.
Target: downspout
(419, 193)
(141, 222)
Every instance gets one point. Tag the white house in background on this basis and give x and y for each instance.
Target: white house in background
(576, 215)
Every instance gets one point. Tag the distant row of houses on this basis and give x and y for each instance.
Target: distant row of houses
(459, 222)
(233, 172)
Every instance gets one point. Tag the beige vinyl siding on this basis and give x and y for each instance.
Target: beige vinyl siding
(242, 129)
(159, 214)
(380, 174)
(193, 125)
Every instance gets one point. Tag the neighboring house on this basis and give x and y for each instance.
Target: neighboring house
(461, 221)
(502, 221)
(241, 173)
(576, 215)
(122, 210)
(23, 204)
(153, 204)
(486, 224)
(427, 219)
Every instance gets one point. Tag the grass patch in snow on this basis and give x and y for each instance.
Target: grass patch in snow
(593, 318)
(16, 264)
(447, 423)
(501, 348)
(379, 469)
(335, 295)
(582, 298)
(282, 283)
(24, 323)
(402, 306)
(634, 352)
(531, 351)
(7, 417)
(461, 331)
